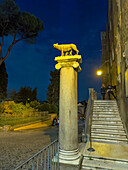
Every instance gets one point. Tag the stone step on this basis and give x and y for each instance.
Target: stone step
(105, 107)
(105, 104)
(105, 132)
(104, 117)
(109, 134)
(109, 159)
(97, 118)
(99, 130)
(109, 141)
(107, 127)
(106, 122)
(109, 138)
(103, 164)
(106, 154)
(105, 110)
(105, 113)
(104, 101)
(107, 119)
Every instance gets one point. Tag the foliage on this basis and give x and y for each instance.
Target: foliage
(35, 104)
(12, 109)
(17, 110)
(3, 82)
(1, 109)
(20, 25)
(25, 94)
(53, 109)
(48, 107)
(6, 105)
(28, 111)
(53, 88)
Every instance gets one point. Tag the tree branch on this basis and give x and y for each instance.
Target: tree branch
(2, 39)
(14, 38)
(9, 48)
(16, 41)
(0, 52)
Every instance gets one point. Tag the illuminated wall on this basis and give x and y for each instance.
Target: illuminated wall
(115, 51)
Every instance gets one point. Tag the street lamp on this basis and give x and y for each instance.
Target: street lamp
(99, 72)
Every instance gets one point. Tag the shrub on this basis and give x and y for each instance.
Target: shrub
(1, 109)
(18, 110)
(35, 104)
(51, 108)
(44, 107)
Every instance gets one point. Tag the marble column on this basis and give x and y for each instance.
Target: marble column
(68, 116)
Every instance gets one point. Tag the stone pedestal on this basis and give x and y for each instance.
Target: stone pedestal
(68, 116)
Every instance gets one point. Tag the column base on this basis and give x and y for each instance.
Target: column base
(69, 157)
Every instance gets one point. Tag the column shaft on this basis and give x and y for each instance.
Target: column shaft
(68, 128)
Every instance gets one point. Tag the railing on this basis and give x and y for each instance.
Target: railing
(45, 159)
(88, 114)
(88, 119)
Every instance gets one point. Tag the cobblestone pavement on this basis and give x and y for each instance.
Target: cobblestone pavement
(15, 147)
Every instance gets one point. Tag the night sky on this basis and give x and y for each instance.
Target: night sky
(65, 21)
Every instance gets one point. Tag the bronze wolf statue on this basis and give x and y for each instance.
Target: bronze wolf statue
(66, 49)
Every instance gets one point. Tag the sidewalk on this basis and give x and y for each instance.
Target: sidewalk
(106, 155)
(35, 125)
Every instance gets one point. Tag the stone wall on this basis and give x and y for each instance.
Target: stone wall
(117, 53)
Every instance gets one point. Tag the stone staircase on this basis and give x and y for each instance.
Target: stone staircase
(106, 122)
(108, 139)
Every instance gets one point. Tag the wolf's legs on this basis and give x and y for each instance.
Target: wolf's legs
(71, 52)
(66, 53)
(62, 52)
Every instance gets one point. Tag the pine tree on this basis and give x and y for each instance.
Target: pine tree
(3, 82)
(20, 25)
(25, 94)
(53, 88)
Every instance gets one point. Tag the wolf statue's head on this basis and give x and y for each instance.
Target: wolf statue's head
(55, 45)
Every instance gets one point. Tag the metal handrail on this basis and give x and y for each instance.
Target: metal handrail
(88, 113)
(88, 122)
(49, 152)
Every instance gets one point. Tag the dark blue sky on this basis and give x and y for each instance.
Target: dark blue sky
(65, 21)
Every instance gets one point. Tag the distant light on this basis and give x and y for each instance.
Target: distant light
(99, 72)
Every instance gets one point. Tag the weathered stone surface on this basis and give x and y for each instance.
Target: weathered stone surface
(69, 65)
(115, 51)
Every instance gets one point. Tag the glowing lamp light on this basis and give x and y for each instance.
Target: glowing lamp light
(99, 72)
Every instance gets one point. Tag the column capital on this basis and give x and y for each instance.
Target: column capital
(69, 61)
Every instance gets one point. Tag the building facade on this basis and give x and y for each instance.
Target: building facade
(115, 54)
